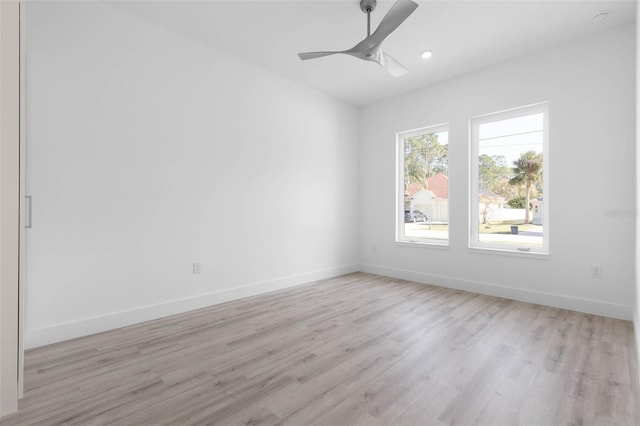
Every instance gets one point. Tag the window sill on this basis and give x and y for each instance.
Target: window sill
(428, 244)
(510, 252)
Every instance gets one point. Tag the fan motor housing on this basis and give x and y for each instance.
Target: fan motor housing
(368, 6)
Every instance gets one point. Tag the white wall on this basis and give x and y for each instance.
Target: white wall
(636, 317)
(589, 86)
(148, 152)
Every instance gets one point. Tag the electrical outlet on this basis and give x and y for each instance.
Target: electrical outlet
(196, 268)
(596, 272)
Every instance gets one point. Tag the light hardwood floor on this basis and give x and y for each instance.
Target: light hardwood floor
(354, 350)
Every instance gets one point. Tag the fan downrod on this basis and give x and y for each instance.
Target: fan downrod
(368, 6)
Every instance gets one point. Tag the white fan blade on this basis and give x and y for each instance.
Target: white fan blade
(394, 67)
(369, 48)
(312, 55)
(392, 20)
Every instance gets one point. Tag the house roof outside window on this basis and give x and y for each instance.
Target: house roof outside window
(438, 184)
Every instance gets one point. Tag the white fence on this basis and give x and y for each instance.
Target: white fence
(501, 215)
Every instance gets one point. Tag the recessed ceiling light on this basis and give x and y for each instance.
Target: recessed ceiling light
(426, 54)
(600, 17)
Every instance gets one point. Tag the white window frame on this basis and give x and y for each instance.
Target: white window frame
(474, 214)
(400, 237)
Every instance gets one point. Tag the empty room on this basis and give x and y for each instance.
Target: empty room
(319, 212)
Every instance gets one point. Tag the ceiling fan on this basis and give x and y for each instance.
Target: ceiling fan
(370, 49)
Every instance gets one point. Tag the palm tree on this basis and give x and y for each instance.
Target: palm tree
(527, 171)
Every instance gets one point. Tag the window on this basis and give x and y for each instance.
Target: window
(423, 186)
(509, 180)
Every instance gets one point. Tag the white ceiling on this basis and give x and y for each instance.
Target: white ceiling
(463, 35)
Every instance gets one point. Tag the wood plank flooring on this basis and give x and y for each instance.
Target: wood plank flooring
(354, 350)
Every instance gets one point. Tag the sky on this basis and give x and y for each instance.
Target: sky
(508, 138)
(512, 137)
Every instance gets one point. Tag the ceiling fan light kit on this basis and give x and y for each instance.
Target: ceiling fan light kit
(370, 49)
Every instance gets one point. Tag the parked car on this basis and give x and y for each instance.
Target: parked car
(414, 216)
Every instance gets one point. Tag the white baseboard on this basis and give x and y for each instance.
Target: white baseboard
(60, 332)
(84, 327)
(589, 306)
